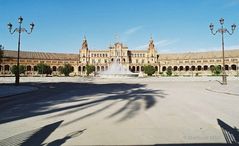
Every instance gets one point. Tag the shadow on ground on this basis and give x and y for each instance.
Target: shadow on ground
(30, 138)
(230, 134)
(39, 102)
(38, 136)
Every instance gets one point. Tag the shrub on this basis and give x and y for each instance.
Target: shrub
(216, 70)
(169, 71)
(149, 70)
(89, 69)
(66, 69)
(43, 69)
(22, 69)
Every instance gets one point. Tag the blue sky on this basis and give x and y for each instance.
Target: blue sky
(176, 25)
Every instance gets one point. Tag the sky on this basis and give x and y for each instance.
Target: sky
(175, 25)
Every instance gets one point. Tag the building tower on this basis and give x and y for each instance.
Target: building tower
(152, 53)
(84, 51)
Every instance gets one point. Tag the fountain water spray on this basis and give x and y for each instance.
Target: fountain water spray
(116, 69)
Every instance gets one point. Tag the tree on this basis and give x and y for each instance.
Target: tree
(66, 69)
(149, 70)
(89, 69)
(43, 69)
(1, 53)
(169, 71)
(216, 70)
(22, 69)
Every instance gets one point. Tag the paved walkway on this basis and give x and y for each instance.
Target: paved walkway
(232, 88)
(119, 111)
(9, 90)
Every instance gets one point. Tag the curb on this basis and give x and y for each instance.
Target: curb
(228, 93)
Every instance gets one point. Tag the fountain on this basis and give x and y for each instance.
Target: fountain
(117, 70)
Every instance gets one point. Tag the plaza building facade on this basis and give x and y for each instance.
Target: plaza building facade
(182, 64)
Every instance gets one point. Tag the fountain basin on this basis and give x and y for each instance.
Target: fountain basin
(119, 75)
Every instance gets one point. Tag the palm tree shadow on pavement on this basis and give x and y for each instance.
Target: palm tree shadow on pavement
(129, 110)
(50, 94)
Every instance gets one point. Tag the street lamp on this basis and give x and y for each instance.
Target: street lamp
(20, 29)
(222, 30)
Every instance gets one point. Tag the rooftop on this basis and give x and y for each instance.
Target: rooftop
(65, 56)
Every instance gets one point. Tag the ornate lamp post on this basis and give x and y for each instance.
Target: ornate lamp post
(222, 31)
(20, 29)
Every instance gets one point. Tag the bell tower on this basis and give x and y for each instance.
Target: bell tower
(151, 49)
(152, 53)
(84, 51)
(84, 44)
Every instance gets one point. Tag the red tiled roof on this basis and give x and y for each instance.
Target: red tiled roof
(40, 55)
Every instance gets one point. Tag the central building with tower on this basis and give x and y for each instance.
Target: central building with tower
(134, 60)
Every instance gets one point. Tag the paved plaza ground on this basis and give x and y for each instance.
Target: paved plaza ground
(131, 111)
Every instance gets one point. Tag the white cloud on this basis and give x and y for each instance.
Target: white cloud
(157, 44)
(133, 30)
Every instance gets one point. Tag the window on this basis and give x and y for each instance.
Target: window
(29, 68)
(233, 67)
(54, 68)
(35, 68)
(6, 67)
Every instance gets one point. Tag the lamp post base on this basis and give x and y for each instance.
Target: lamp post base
(224, 79)
(17, 80)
